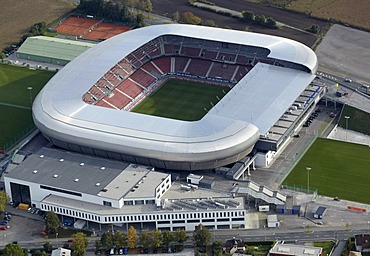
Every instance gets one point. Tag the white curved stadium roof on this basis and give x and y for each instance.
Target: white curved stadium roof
(233, 126)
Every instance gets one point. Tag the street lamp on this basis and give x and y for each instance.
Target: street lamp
(346, 117)
(29, 88)
(56, 238)
(308, 179)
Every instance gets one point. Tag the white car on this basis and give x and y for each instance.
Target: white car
(348, 80)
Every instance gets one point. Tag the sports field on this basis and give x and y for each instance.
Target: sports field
(337, 169)
(182, 100)
(15, 100)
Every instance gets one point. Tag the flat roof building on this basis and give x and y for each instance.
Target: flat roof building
(294, 250)
(111, 192)
(51, 49)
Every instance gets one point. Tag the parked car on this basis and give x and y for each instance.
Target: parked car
(4, 222)
(348, 80)
(2, 227)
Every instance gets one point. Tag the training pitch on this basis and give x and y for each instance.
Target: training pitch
(338, 169)
(182, 100)
(15, 100)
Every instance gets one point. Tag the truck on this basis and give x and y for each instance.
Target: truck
(79, 224)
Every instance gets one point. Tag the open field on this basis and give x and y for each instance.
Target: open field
(182, 100)
(356, 14)
(301, 21)
(337, 169)
(15, 100)
(17, 17)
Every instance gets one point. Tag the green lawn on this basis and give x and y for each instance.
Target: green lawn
(182, 100)
(14, 82)
(15, 121)
(358, 121)
(337, 169)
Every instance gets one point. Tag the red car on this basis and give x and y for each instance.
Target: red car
(2, 227)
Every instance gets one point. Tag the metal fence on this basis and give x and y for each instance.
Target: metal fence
(15, 140)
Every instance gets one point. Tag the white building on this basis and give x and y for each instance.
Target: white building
(110, 192)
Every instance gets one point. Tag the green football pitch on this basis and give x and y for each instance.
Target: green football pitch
(337, 169)
(15, 100)
(182, 100)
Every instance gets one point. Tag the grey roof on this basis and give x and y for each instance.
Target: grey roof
(224, 132)
(297, 250)
(53, 47)
(48, 163)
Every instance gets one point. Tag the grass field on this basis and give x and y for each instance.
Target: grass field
(358, 121)
(15, 101)
(337, 169)
(17, 17)
(182, 100)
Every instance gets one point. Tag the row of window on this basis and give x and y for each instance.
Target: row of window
(138, 202)
(175, 217)
(71, 213)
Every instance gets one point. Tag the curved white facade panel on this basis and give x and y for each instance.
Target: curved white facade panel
(215, 140)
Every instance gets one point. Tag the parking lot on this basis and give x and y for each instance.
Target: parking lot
(23, 226)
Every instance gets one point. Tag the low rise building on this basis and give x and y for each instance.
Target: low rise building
(111, 192)
(294, 250)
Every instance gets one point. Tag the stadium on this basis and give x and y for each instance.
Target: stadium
(91, 105)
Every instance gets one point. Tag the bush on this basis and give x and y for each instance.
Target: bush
(313, 29)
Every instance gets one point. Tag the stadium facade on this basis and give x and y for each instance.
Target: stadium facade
(85, 107)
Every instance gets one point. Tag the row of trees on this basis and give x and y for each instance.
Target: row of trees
(191, 18)
(259, 19)
(145, 239)
(115, 11)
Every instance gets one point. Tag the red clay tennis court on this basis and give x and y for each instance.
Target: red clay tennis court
(105, 31)
(89, 28)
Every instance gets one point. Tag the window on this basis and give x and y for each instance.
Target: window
(107, 203)
(61, 190)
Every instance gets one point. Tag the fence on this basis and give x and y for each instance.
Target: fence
(15, 140)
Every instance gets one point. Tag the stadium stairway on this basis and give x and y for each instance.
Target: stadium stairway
(259, 192)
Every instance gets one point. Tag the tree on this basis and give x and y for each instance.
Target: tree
(80, 242)
(148, 6)
(180, 236)
(190, 18)
(209, 23)
(38, 253)
(201, 236)
(2, 55)
(145, 239)
(260, 19)
(107, 240)
(47, 246)
(132, 237)
(217, 248)
(140, 20)
(13, 250)
(156, 238)
(167, 238)
(97, 245)
(120, 239)
(248, 15)
(52, 222)
(271, 23)
(3, 197)
(176, 16)
(313, 29)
